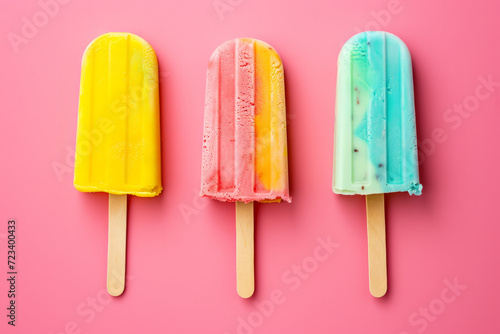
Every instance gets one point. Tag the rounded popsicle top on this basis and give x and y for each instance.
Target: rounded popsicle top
(105, 39)
(139, 51)
(356, 45)
(230, 44)
(110, 36)
(375, 131)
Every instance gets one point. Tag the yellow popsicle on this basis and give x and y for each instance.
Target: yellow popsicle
(118, 135)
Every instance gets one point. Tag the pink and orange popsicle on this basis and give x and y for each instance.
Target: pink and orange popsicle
(244, 138)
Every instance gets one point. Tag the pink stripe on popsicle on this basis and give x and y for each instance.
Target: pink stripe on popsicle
(226, 112)
(245, 112)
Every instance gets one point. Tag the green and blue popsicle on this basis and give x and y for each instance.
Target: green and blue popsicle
(375, 132)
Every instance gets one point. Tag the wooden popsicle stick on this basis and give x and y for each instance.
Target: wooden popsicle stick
(245, 284)
(117, 244)
(377, 263)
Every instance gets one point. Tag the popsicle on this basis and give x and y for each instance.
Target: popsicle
(118, 134)
(375, 133)
(244, 139)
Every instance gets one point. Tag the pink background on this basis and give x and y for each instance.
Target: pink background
(181, 267)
